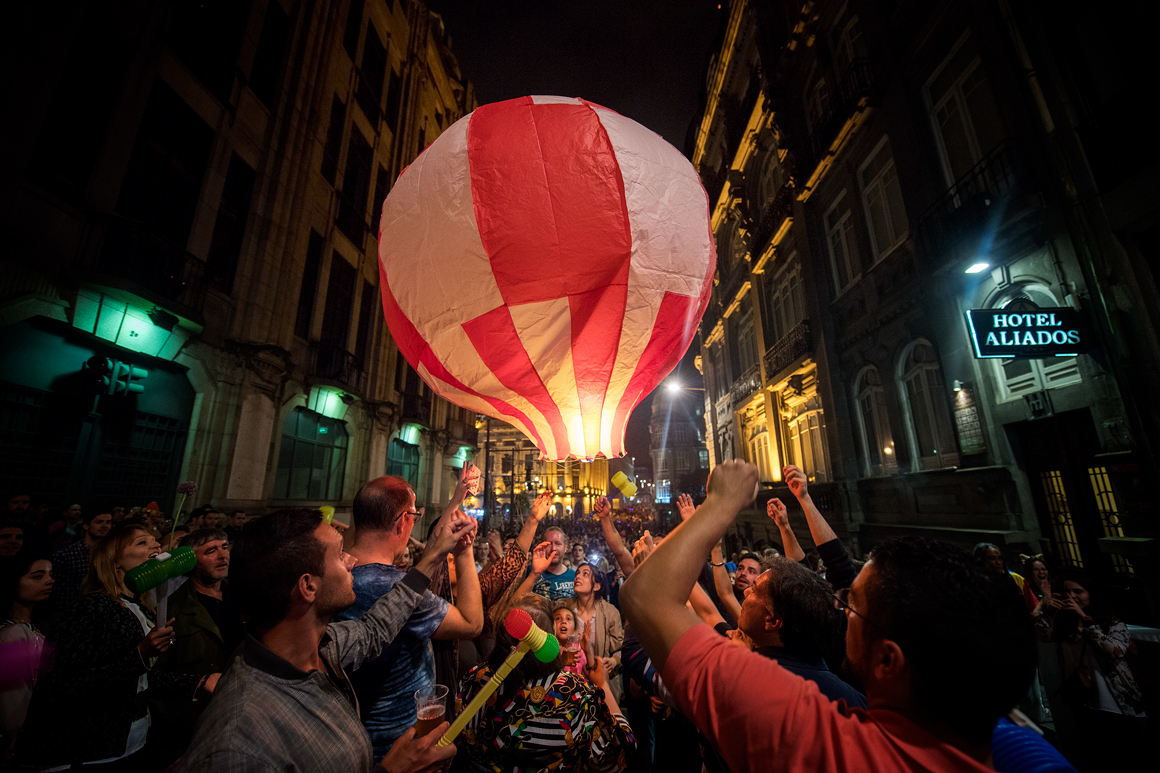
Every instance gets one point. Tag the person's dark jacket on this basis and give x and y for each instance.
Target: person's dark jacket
(86, 699)
(814, 668)
(199, 648)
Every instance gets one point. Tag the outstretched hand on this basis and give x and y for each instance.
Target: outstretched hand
(686, 507)
(734, 484)
(542, 557)
(796, 480)
(600, 508)
(643, 547)
(418, 756)
(541, 505)
(775, 509)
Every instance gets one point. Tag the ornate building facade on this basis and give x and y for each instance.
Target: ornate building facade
(192, 191)
(877, 170)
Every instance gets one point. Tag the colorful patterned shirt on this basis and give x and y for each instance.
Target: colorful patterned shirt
(558, 723)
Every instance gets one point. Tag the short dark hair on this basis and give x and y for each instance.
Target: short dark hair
(747, 555)
(87, 516)
(803, 602)
(379, 503)
(270, 556)
(198, 538)
(964, 629)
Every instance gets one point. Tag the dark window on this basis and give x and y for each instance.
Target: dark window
(339, 302)
(163, 179)
(403, 460)
(206, 36)
(230, 226)
(353, 28)
(93, 76)
(312, 461)
(382, 188)
(309, 289)
(400, 372)
(352, 203)
(366, 316)
(271, 55)
(369, 93)
(394, 100)
(422, 140)
(333, 140)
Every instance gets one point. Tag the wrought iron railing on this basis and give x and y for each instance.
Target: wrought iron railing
(788, 349)
(968, 203)
(857, 84)
(749, 383)
(336, 364)
(140, 260)
(462, 432)
(416, 409)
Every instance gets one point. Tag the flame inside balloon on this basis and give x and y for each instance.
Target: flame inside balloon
(546, 262)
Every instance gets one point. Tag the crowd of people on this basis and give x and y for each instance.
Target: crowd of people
(301, 643)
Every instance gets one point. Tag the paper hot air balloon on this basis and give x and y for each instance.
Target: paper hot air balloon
(546, 261)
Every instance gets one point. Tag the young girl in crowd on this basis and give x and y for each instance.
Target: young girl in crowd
(564, 620)
(25, 581)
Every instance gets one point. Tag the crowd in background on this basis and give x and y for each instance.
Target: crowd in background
(301, 643)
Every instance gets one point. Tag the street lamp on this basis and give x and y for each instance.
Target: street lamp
(675, 387)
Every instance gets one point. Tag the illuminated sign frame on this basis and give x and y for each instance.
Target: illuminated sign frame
(1034, 332)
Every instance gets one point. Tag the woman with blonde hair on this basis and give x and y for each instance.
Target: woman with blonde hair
(103, 651)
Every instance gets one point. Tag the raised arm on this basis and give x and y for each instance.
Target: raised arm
(603, 513)
(541, 557)
(539, 510)
(704, 606)
(722, 584)
(776, 510)
(654, 596)
(798, 485)
(464, 618)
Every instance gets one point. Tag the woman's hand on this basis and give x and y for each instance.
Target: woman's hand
(541, 558)
(597, 672)
(157, 640)
(685, 506)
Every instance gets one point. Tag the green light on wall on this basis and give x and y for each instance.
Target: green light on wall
(410, 434)
(329, 402)
(124, 319)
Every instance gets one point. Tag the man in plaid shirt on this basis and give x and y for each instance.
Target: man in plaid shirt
(286, 703)
(71, 564)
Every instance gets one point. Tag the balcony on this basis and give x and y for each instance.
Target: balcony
(745, 386)
(790, 348)
(462, 433)
(416, 409)
(774, 222)
(338, 366)
(123, 253)
(847, 109)
(968, 205)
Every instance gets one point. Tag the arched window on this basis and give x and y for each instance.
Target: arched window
(873, 424)
(1021, 376)
(312, 462)
(924, 400)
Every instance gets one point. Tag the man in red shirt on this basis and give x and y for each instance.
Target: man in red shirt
(943, 649)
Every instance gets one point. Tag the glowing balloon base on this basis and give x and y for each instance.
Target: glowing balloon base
(586, 243)
(531, 638)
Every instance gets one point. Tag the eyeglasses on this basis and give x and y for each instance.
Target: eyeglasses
(417, 513)
(842, 602)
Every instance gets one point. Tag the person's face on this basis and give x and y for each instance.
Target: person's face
(747, 571)
(36, 586)
(336, 591)
(565, 624)
(138, 551)
(858, 635)
(212, 520)
(238, 520)
(586, 581)
(11, 540)
(993, 560)
(753, 609)
(19, 504)
(577, 553)
(72, 513)
(507, 543)
(1077, 593)
(213, 561)
(1039, 572)
(556, 542)
(118, 514)
(99, 526)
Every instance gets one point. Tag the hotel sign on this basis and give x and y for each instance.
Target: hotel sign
(1034, 332)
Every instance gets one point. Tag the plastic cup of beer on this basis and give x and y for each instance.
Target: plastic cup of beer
(430, 706)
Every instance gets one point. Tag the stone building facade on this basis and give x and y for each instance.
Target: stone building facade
(876, 171)
(192, 190)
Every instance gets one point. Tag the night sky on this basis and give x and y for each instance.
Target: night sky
(645, 59)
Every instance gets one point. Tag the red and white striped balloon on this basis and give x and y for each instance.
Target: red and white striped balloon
(546, 261)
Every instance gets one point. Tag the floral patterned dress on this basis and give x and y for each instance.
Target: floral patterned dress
(558, 723)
